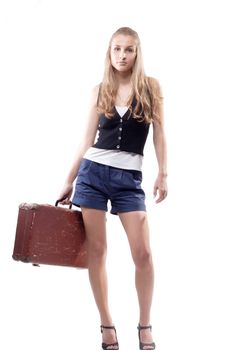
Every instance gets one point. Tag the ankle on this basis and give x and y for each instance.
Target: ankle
(106, 321)
(144, 322)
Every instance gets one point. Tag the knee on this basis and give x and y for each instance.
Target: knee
(97, 250)
(143, 258)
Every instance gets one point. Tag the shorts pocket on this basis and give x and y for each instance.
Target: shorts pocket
(132, 179)
(136, 175)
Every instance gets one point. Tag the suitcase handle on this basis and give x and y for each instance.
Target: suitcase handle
(59, 200)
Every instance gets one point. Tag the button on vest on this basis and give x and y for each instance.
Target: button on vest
(122, 133)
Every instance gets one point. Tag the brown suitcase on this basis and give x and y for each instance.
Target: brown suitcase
(47, 234)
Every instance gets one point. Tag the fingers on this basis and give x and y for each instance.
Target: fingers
(65, 201)
(65, 195)
(162, 196)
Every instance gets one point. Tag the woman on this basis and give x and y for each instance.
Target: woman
(122, 108)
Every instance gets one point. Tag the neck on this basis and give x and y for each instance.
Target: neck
(123, 78)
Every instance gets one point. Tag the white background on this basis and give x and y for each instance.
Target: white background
(52, 54)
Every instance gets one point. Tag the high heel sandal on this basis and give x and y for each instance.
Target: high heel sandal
(112, 346)
(150, 346)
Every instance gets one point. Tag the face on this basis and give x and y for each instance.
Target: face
(123, 52)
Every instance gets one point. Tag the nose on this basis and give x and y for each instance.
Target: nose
(122, 55)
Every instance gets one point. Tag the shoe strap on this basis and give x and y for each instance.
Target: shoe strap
(107, 327)
(144, 327)
(105, 346)
(151, 345)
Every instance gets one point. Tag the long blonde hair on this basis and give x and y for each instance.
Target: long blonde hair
(145, 90)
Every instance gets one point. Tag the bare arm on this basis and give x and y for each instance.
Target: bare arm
(160, 186)
(86, 142)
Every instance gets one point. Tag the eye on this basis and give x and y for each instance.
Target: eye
(130, 49)
(116, 49)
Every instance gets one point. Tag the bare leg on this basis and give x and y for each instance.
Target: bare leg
(136, 227)
(95, 226)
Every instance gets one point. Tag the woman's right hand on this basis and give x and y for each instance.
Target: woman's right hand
(65, 194)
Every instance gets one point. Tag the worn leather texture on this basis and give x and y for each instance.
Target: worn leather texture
(47, 234)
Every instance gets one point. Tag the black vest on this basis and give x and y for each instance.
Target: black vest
(122, 133)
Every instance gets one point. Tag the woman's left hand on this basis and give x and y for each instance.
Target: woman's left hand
(160, 188)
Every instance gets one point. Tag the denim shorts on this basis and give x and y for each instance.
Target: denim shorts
(97, 184)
